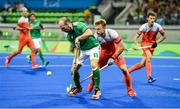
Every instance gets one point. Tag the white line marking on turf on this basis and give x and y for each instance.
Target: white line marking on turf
(52, 57)
(176, 79)
(155, 66)
(71, 56)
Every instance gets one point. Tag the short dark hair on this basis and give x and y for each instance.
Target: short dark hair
(32, 14)
(151, 13)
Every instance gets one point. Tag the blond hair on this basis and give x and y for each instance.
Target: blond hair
(65, 20)
(24, 8)
(101, 21)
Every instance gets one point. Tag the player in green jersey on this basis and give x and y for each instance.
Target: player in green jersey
(35, 32)
(81, 37)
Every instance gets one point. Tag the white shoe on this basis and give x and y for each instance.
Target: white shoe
(96, 95)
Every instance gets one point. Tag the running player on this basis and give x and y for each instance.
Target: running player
(24, 39)
(149, 31)
(81, 37)
(35, 31)
(111, 52)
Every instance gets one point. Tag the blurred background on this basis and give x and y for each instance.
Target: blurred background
(125, 16)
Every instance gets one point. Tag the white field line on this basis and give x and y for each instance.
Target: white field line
(50, 66)
(71, 56)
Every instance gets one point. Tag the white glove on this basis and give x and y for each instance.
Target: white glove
(110, 61)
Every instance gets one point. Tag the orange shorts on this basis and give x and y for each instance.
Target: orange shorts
(147, 49)
(103, 59)
(25, 40)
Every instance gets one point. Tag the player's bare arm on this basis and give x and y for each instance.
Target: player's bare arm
(162, 38)
(85, 35)
(120, 49)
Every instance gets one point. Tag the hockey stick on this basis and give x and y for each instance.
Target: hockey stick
(68, 89)
(18, 28)
(137, 48)
(92, 74)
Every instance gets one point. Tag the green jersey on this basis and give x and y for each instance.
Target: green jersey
(35, 33)
(78, 29)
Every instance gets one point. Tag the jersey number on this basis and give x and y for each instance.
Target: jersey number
(96, 55)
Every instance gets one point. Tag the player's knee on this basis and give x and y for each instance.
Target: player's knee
(94, 65)
(149, 56)
(148, 60)
(142, 64)
(19, 51)
(124, 71)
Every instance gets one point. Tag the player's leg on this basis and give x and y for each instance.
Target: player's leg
(33, 53)
(148, 54)
(78, 87)
(94, 58)
(37, 43)
(102, 62)
(45, 63)
(138, 65)
(121, 63)
(21, 44)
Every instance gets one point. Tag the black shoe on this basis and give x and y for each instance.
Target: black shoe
(46, 63)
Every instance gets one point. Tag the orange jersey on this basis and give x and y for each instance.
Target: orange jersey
(23, 23)
(108, 42)
(24, 36)
(149, 33)
(109, 45)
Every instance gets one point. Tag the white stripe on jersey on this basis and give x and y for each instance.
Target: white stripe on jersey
(145, 28)
(110, 35)
(23, 19)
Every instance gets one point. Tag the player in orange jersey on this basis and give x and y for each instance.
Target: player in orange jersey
(24, 39)
(149, 31)
(111, 48)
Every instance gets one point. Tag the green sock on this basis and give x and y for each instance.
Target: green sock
(76, 79)
(41, 57)
(96, 76)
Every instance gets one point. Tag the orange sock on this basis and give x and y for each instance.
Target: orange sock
(135, 67)
(33, 58)
(13, 54)
(148, 68)
(128, 81)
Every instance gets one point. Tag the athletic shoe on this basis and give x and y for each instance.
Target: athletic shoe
(7, 61)
(74, 91)
(151, 79)
(97, 94)
(90, 87)
(45, 63)
(36, 66)
(28, 57)
(132, 93)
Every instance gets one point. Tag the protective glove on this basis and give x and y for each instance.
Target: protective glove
(154, 45)
(110, 61)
